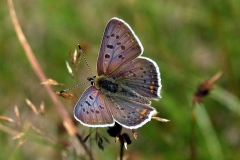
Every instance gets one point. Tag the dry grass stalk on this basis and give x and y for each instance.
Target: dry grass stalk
(52, 82)
(134, 134)
(42, 108)
(16, 111)
(21, 143)
(67, 96)
(19, 135)
(7, 119)
(68, 128)
(160, 119)
(205, 87)
(35, 128)
(70, 71)
(32, 106)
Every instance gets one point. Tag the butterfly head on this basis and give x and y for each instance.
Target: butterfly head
(91, 79)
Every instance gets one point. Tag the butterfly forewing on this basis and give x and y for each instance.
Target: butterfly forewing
(131, 114)
(119, 46)
(92, 109)
(142, 75)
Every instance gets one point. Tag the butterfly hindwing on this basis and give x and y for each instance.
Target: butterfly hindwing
(142, 75)
(92, 109)
(119, 46)
(131, 114)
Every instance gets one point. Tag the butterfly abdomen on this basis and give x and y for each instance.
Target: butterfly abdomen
(127, 93)
(114, 87)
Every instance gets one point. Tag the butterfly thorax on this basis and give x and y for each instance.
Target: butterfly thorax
(105, 83)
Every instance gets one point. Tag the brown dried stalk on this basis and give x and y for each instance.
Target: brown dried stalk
(38, 71)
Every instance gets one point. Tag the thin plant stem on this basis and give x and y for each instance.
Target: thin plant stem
(193, 133)
(121, 150)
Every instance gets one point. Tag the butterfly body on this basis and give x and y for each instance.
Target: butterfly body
(125, 85)
(116, 87)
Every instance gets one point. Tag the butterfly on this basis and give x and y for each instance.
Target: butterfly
(125, 85)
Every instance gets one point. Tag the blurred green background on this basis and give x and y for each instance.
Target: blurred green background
(190, 41)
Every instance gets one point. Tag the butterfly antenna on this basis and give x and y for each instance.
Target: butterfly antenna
(85, 59)
(65, 90)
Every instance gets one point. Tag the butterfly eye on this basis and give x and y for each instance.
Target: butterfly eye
(91, 79)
